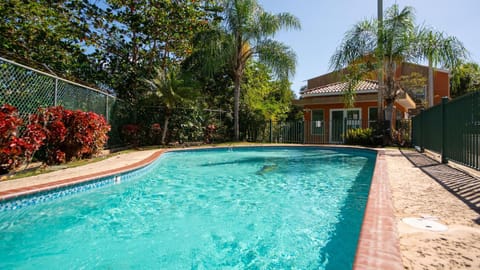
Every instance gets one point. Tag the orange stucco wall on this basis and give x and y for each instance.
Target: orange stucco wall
(327, 107)
(441, 86)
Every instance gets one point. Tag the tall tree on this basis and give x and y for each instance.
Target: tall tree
(438, 48)
(247, 32)
(397, 41)
(465, 78)
(360, 45)
(135, 36)
(174, 89)
(47, 35)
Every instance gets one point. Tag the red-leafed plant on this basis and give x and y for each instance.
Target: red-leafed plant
(71, 134)
(131, 134)
(16, 150)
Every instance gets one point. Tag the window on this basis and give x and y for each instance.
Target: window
(318, 123)
(372, 116)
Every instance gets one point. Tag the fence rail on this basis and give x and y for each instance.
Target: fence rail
(311, 132)
(451, 129)
(29, 89)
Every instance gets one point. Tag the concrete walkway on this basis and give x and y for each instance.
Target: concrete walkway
(109, 166)
(410, 178)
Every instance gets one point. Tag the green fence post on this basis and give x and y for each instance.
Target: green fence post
(421, 129)
(444, 129)
(344, 130)
(271, 135)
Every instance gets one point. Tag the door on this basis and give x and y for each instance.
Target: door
(336, 126)
(340, 117)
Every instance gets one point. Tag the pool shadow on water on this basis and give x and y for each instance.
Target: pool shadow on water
(459, 183)
(342, 247)
(334, 157)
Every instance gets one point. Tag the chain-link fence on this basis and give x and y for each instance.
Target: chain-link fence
(28, 89)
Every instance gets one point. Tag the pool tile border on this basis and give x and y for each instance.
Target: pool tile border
(378, 245)
(102, 178)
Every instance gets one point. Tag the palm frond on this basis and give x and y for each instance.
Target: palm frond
(358, 42)
(439, 48)
(277, 56)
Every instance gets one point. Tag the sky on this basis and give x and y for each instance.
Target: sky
(324, 22)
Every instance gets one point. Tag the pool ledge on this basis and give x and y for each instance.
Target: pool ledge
(378, 246)
(7, 194)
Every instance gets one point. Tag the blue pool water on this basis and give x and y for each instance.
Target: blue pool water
(240, 208)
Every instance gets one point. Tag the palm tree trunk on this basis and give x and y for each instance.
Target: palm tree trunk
(430, 84)
(236, 108)
(165, 127)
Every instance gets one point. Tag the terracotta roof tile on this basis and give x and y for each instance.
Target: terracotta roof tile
(364, 86)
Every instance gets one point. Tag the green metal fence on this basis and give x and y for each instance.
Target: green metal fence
(451, 129)
(306, 132)
(29, 89)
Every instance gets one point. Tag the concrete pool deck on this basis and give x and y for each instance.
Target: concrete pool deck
(400, 189)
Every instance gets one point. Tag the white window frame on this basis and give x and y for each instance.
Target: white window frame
(312, 122)
(344, 116)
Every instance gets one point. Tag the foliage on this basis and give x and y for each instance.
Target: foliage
(70, 134)
(46, 34)
(246, 33)
(135, 36)
(385, 48)
(16, 150)
(264, 99)
(465, 78)
(131, 134)
(173, 88)
(360, 136)
(413, 83)
(438, 48)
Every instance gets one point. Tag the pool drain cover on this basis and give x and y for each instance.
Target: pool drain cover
(426, 224)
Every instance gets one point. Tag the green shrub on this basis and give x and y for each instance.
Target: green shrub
(359, 136)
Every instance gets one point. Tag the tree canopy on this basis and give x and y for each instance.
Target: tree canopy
(367, 47)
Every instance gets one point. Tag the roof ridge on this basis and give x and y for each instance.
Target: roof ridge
(336, 88)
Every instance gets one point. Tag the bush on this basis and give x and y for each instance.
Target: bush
(70, 134)
(360, 136)
(14, 150)
(131, 134)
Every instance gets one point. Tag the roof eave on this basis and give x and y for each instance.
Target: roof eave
(338, 94)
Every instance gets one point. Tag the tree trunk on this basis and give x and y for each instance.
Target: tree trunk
(381, 83)
(388, 117)
(236, 109)
(165, 127)
(430, 85)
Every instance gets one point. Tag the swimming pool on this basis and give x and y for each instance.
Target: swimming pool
(266, 208)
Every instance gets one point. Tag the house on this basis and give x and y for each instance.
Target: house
(326, 118)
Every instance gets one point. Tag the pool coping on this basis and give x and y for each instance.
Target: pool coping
(67, 182)
(378, 245)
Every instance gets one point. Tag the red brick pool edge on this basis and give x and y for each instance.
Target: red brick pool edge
(16, 192)
(378, 245)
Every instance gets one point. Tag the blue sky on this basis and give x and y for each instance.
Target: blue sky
(325, 21)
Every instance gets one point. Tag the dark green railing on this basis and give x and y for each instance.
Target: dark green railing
(304, 132)
(451, 129)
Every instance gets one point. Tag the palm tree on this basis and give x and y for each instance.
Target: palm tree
(438, 48)
(392, 42)
(246, 33)
(360, 46)
(171, 86)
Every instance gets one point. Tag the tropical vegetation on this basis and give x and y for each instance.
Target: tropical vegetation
(202, 70)
(146, 51)
(53, 135)
(372, 46)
